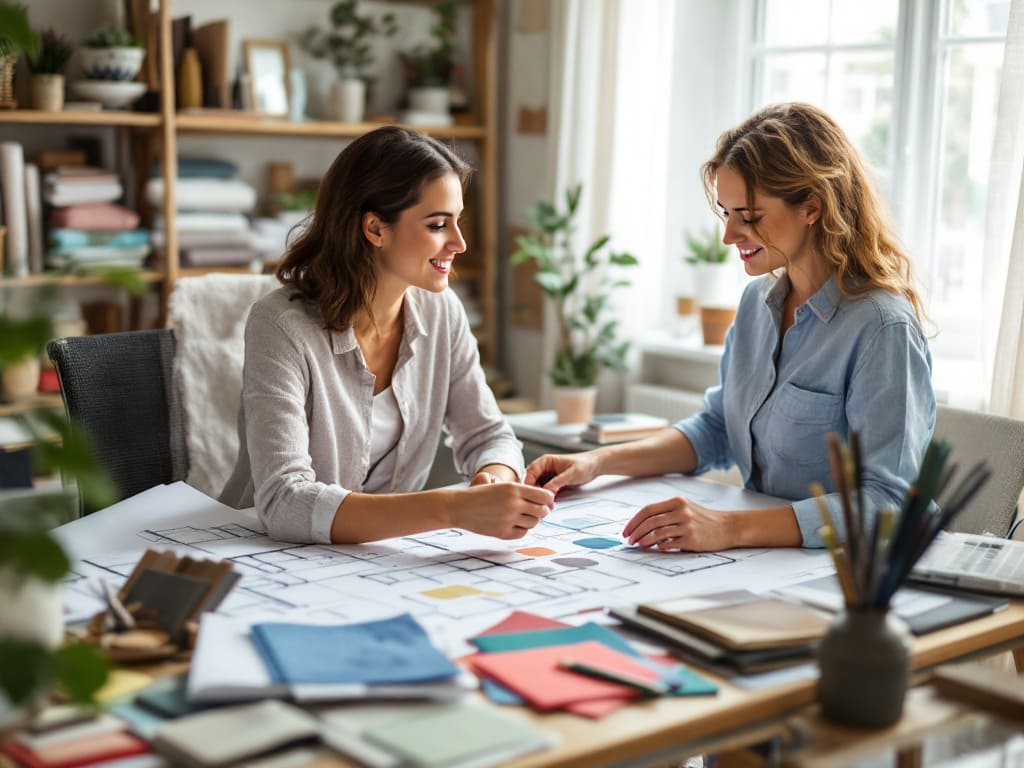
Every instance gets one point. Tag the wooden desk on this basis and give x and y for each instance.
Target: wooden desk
(642, 733)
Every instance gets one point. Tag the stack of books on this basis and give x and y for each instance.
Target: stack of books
(620, 427)
(732, 632)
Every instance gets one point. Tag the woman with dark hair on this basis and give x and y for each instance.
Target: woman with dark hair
(827, 340)
(353, 368)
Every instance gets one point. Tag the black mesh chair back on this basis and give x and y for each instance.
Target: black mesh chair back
(119, 388)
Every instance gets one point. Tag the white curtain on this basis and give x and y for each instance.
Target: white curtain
(610, 89)
(1003, 251)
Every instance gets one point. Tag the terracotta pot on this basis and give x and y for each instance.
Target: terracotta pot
(48, 92)
(714, 322)
(575, 405)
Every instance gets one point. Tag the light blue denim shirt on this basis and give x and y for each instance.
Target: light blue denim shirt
(847, 364)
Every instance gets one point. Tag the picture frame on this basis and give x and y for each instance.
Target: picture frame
(268, 64)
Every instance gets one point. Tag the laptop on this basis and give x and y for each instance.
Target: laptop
(971, 561)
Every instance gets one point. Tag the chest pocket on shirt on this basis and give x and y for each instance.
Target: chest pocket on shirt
(802, 418)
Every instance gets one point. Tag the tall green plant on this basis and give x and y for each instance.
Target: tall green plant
(581, 289)
(54, 54)
(16, 34)
(706, 247)
(347, 45)
(28, 550)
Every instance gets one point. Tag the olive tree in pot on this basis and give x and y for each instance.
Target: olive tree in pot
(581, 289)
(347, 46)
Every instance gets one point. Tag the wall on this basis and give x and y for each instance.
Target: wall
(707, 87)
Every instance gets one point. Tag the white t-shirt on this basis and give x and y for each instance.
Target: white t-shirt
(384, 433)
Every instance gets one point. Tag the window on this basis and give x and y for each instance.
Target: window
(915, 84)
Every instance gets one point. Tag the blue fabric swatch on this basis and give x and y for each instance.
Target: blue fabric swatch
(395, 650)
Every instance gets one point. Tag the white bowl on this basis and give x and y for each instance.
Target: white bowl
(120, 64)
(110, 93)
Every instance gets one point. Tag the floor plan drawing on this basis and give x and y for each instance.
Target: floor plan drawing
(574, 561)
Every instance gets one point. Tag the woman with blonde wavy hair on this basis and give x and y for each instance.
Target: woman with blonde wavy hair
(828, 339)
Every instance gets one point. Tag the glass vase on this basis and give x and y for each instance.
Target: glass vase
(864, 659)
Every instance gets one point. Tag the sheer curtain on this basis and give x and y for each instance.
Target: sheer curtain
(610, 91)
(1003, 251)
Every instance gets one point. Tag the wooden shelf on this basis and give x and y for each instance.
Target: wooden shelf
(199, 271)
(245, 124)
(52, 401)
(107, 118)
(58, 278)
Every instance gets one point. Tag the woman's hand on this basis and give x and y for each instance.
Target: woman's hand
(494, 473)
(557, 471)
(501, 509)
(678, 523)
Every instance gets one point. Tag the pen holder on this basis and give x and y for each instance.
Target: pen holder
(864, 659)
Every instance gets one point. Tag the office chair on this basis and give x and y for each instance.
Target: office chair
(1000, 441)
(119, 388)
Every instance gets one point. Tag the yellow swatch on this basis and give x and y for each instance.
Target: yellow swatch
(122, 682)
(455, 590)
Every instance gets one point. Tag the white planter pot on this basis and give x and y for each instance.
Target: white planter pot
(575, 405)
(716, 285)
(32, 611)
(20, 381)
(111, 63)
(348, 100)
(433, 99)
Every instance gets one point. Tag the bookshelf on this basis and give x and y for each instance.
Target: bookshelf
(157, 135)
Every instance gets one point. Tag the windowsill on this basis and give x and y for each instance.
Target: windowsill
(690, 348)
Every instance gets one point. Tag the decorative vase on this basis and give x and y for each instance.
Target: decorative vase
(348, 100)
(20, 381)
(864, 659)
(432, 99)
(575, 405)
(190, 80)
(33, 612)
(48, 92)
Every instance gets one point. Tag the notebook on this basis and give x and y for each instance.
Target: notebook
(972, 561)
(741, 620)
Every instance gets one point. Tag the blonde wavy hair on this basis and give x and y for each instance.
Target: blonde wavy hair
(795, 150)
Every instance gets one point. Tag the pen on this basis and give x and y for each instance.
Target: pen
(647, 687)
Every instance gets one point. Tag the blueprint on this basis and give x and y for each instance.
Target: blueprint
(454, 582)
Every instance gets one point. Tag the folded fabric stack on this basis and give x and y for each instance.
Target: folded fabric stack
(87, 228)
(211, 204)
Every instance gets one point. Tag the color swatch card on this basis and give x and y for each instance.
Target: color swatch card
(538, 676)
(395, 650)
(461, 735)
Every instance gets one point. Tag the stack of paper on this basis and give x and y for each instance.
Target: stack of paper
(736, 631)
(535, 667)
(620, 427)
(392, 658)
(455, 735)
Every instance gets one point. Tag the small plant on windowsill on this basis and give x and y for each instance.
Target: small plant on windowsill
(716, 288)
(581, 289)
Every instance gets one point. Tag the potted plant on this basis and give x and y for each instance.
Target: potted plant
(715, 286)
(47, 67)
(347, 46)
(111, 53)
(428, 67)
(16, 35)
(32, 562)
(581, 289)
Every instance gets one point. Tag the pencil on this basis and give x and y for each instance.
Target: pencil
(842, 565)
(647, 687)
(818, 492)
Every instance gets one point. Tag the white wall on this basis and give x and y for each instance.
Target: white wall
(708, 84)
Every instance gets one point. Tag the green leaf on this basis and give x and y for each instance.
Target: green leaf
(34, 553)
(26, 669)
(624, 259)
(22, 339)
(550, 282)
(81, 670)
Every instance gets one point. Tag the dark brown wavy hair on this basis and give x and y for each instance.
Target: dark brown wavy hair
(795, 150)
(382, 172)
